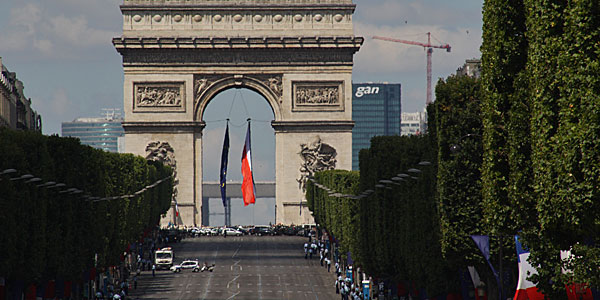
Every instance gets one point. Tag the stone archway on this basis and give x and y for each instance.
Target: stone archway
(207, 86)
(178, 54)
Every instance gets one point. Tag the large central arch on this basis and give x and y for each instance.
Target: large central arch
(209, 85)
(178, 54)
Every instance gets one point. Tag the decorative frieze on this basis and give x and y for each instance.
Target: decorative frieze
(159, 96)
(244, 20)
(317, 96)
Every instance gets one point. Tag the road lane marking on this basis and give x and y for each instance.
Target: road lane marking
(233, 295)
(210, 276)
(232, 280)
(236, 251)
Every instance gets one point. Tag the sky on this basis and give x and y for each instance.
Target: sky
(62, 51)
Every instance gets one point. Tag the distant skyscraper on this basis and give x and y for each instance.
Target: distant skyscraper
(102, 133)
(376, 110)
(414, 123)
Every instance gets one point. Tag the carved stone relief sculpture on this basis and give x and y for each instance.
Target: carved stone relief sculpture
(276, 86)
(164, 153)
(316, 95)
(158, 96)
(311, 96)
(316, 156)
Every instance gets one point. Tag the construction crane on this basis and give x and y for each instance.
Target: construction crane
(429, 47)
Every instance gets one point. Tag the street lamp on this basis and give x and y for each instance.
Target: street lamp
(26, 176)
(413, 170)
(8, 172)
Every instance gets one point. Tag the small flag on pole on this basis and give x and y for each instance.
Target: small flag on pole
(526, 290)
(248, 188)
(224, 159)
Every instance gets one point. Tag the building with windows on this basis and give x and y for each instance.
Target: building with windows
(471, 68)
(15, 108)
(101, 133)
(376, 110)
(414, 123)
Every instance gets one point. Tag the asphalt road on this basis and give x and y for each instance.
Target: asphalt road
(246, 267)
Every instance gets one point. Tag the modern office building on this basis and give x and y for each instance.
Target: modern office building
(102, 133)
(15, 108)
(414, 123)
(376, 110)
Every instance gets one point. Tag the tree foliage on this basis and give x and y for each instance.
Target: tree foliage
(540, 62)
(393, 233)
(50, 233)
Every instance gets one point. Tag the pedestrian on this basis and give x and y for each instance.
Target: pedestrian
(328, 264)
(337, 268)
(153, 269)
(321, 257)
(305, 250)
(337, 286)
(310, 251)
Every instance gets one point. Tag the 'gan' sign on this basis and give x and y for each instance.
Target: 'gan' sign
(366, 90)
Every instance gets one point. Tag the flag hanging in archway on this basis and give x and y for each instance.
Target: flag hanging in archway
(224, 159)
(248, 188)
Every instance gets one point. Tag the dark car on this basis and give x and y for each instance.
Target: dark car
(262, 230)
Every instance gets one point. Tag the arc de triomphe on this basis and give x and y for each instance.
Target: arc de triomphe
(179, 54)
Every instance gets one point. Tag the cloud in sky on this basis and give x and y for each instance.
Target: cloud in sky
(42, 30)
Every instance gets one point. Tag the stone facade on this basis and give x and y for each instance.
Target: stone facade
(179, 54)
(15, 109)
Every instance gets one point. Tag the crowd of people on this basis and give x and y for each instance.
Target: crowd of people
(344, 286)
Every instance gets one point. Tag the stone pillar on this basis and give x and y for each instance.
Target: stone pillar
(290, 140)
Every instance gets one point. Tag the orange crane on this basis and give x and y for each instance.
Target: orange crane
(429, 47)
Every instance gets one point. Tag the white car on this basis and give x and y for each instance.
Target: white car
(186, 264)
(231, 231)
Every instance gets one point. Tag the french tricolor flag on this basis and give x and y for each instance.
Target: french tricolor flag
(248, 188)
(526, 290)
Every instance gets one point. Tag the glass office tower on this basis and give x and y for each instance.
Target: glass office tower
(101, 133)
(376, 110)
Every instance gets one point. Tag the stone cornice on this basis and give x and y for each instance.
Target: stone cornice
(312, 126)
(233, 3)
(221, 7)
(158, 127)
(236, 42)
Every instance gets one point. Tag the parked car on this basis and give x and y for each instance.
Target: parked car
(186, 265)
(262, 230)
(211, 231)
(231, 231)
(243, 230)
(196, 231)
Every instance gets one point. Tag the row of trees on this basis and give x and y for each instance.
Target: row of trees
(394, 232)
(49, 233)
(541, 133)
(517, 152)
